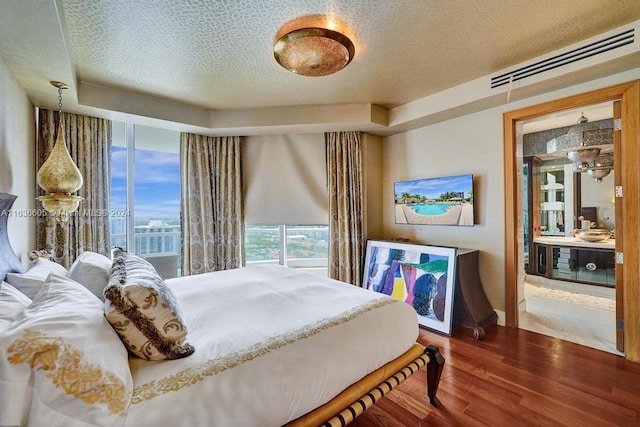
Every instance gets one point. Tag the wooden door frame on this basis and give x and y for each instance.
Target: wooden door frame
(627, 160)
(619, 218)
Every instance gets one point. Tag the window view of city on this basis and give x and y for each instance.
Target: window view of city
(158, 241)
(152, 236)
(296, 246)
(154, 217)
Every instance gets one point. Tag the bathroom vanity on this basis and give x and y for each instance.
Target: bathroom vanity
(576, 260)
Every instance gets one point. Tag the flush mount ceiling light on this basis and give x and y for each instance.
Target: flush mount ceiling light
(312, 46)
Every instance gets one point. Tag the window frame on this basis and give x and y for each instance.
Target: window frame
(282, 246)
(127, 141)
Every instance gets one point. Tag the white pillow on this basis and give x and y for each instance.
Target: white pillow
(12, 303)
(91, 270)
(61, 363)
(32, 280)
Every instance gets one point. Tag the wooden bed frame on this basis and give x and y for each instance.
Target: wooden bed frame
(362, 395)
(340, 410)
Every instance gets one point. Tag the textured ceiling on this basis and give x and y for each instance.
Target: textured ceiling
(218, 55)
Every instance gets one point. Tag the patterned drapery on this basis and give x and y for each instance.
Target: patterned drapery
(346, 202)
(212, 203)
(88, 140)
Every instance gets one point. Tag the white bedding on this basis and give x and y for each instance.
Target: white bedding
(271, 345)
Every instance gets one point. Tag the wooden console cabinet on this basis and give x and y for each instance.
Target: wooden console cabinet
(472, 311)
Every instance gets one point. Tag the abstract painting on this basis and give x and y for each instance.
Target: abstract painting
(422, 276)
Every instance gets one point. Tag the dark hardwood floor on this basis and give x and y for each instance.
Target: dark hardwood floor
(515, 378)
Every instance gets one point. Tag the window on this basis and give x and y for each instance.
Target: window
(296, 246)
(145, 194)
(290, 201)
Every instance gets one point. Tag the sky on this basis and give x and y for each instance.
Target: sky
(156, 182)
(432, 188)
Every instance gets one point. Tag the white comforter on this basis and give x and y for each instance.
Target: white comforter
(271, 345)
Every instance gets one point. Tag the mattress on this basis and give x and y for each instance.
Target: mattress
(271, 343)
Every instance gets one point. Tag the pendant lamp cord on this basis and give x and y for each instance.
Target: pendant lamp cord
(59, 106)
(60, 100)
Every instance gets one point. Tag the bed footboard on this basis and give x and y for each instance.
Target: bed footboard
(362, 395)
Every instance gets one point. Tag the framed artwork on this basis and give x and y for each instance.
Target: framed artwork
(435, 201)
(420, 275)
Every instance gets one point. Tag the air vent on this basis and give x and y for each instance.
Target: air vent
(601, 46)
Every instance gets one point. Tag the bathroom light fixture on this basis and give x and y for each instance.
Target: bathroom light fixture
(578, 143)
(587, 146)
(601, 167)
(576, 133)
(59, 176)
(308, 46)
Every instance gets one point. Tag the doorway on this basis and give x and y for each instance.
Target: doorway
(569, 282)
(627, 229)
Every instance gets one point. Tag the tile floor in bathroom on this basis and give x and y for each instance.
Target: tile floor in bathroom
(583, 314)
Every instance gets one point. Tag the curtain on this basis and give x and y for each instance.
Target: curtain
(346, 202)
(88, 140)
(212, 203)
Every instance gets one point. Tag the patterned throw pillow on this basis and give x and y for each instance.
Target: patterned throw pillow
(143, 310)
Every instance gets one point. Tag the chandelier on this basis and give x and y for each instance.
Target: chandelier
(59, 176)
(587, 147)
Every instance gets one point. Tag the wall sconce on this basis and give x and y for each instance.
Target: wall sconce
(59, 176)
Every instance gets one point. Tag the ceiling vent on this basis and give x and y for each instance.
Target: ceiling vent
(598, 47)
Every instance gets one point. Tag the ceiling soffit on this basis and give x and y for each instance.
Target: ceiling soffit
(209, 65)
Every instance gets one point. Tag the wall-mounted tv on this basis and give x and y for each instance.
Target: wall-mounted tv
(435, 201)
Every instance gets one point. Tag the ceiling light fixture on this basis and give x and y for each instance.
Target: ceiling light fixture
(576, 136)
(309, 47)
(585, 144)
(59, 176)
(601, 167)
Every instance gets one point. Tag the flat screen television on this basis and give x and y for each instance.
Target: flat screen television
(435, 201)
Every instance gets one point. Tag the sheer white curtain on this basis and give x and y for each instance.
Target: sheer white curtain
(88, 140)
(346, 202)
(212, 203)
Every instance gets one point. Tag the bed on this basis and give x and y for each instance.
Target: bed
(263, 345)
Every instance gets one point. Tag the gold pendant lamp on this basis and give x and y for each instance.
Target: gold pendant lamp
(59, 176)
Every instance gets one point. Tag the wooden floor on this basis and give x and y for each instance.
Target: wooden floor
(516, 378)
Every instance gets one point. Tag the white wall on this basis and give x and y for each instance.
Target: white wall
(17, 160)
(467, 144)
(600, 195)
(373, 201)
(455, 147)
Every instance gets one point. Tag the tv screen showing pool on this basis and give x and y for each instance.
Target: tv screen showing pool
(435, 201)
